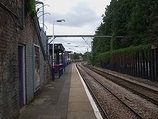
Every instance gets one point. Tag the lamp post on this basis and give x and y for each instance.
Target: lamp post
(53, 61)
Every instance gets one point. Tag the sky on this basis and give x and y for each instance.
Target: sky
(81, 17)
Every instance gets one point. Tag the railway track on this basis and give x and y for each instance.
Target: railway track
(84, 72)
(143, 91)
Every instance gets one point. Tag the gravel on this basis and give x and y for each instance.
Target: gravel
(114, 108)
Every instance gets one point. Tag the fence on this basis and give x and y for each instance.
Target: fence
(142, 64)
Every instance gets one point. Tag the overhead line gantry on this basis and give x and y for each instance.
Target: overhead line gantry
(99, 36)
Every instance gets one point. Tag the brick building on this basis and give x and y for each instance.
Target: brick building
(24, 67)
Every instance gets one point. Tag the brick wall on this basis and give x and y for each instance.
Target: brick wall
(8, 67)
(11, 35)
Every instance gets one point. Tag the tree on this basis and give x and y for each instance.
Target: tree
(136, 20)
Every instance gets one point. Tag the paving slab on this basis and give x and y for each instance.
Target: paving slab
(63, 98)
(79, 106)
(52, 101)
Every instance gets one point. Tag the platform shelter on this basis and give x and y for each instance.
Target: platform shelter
(59, 62)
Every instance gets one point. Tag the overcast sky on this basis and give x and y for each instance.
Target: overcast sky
(81, 17)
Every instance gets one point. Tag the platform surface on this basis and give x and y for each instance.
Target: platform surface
(63, 98)
(79, 106)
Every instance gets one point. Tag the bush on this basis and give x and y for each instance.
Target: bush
(30, 6)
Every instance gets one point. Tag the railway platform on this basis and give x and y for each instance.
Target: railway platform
(64, 98)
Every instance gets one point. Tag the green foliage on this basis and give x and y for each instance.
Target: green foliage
(30, 6)
(75, 56)
(136, 20)
(86, 56)
(105, 57)
(131, 49)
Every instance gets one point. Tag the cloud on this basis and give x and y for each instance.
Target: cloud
(79, 15)
(74, 44)
(82, 17)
